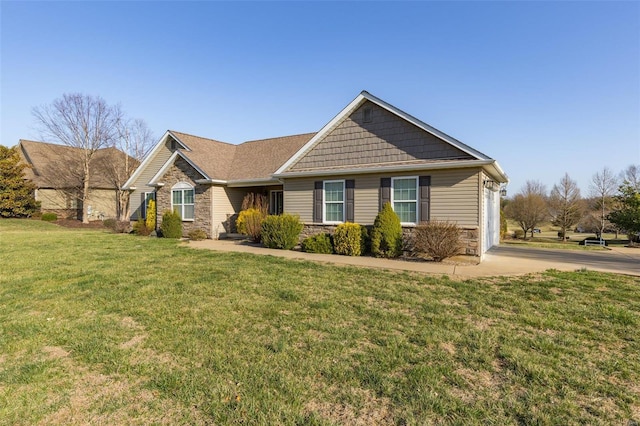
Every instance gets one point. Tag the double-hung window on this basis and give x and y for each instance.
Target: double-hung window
(333, 201)
(183, 200)
(404, 199)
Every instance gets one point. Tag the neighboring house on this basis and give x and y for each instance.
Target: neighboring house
(56, 171)
(369, 154)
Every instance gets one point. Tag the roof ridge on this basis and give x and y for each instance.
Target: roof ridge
(278, 137)
(202, 137)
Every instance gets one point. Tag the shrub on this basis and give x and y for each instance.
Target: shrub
(319, 243)
(249, 223)
(122, 227)
(171, 225)
(140, 228)
(386, 235)
(151, 215)
(197, 235)
(281, 231)
(110, 223)
(256, 201)
(348, 239)
(437, 240)
(49, 217)
(518, 233)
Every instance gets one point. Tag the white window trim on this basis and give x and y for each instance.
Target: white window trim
(417, 200)
(271, 193)
(184, 186)
(324, 202)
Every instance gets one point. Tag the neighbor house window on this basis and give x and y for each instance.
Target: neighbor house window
(333, 201)
(183, 200)
(404, 199)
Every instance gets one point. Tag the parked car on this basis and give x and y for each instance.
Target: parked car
(536, 230)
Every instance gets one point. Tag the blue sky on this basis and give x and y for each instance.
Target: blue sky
(543, 87)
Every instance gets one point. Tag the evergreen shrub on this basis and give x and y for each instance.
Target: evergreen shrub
(319, 243)
(171, 226)
(49, 217)
(281, 231)
(348, 239)
(140, 228)
(151, 215)
(386, 235)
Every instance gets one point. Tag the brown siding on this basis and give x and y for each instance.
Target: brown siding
(145, 176)
(102, 202)
(386, 138)
(454, 195)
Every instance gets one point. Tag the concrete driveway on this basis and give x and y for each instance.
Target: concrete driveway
(512, 259)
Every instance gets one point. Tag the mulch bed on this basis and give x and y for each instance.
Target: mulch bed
(73, 223)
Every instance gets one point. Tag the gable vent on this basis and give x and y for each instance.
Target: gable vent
(366, 115)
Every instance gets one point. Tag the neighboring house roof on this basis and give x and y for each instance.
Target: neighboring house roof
(268, 159)
(59, 166)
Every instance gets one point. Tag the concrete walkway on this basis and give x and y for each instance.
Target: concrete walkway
(501, 260)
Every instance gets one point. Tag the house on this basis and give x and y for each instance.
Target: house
(56, 170)
(368, 154)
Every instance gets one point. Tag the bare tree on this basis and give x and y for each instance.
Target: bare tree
(529, 207)
(565, 204)
(80, 121)
(631, 176)
(602, 188)
(133, 142)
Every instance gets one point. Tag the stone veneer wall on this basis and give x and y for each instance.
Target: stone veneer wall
(181, 171)
(468, 236)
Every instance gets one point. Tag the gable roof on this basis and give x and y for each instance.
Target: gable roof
(221, 162)
(477, 157)
(59, 166)
(266, 160)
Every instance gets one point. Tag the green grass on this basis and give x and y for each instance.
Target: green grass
(99, 328)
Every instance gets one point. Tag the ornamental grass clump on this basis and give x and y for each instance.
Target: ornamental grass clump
(437, 240)
(386, 235)
(319, 243)
(281, 231)
(249, 223)
(349, 239)
(171, 226)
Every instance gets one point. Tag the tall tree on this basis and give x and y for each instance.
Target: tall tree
(565, 204)
(529, 207)
(16, 194)
(602, 188)
(80, 121)
(133, 142)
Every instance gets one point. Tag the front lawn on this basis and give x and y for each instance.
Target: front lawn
(98, 328)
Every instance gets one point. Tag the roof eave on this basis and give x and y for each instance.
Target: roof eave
(387, 169)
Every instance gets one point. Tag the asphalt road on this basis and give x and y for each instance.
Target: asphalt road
(620, 259)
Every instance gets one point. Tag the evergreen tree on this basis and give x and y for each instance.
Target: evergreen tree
(16, 193)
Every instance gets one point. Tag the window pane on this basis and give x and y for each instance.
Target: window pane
(177, 197)
(406, 211)
(188, 211)
(188, 196)
(334, 191)
(177, 209)
(404, 189)
(334, 212)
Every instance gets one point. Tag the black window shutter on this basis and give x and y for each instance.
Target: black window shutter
(385, 191)
(317, 202)
(142, 212)
(349, 196)
(425, 198)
